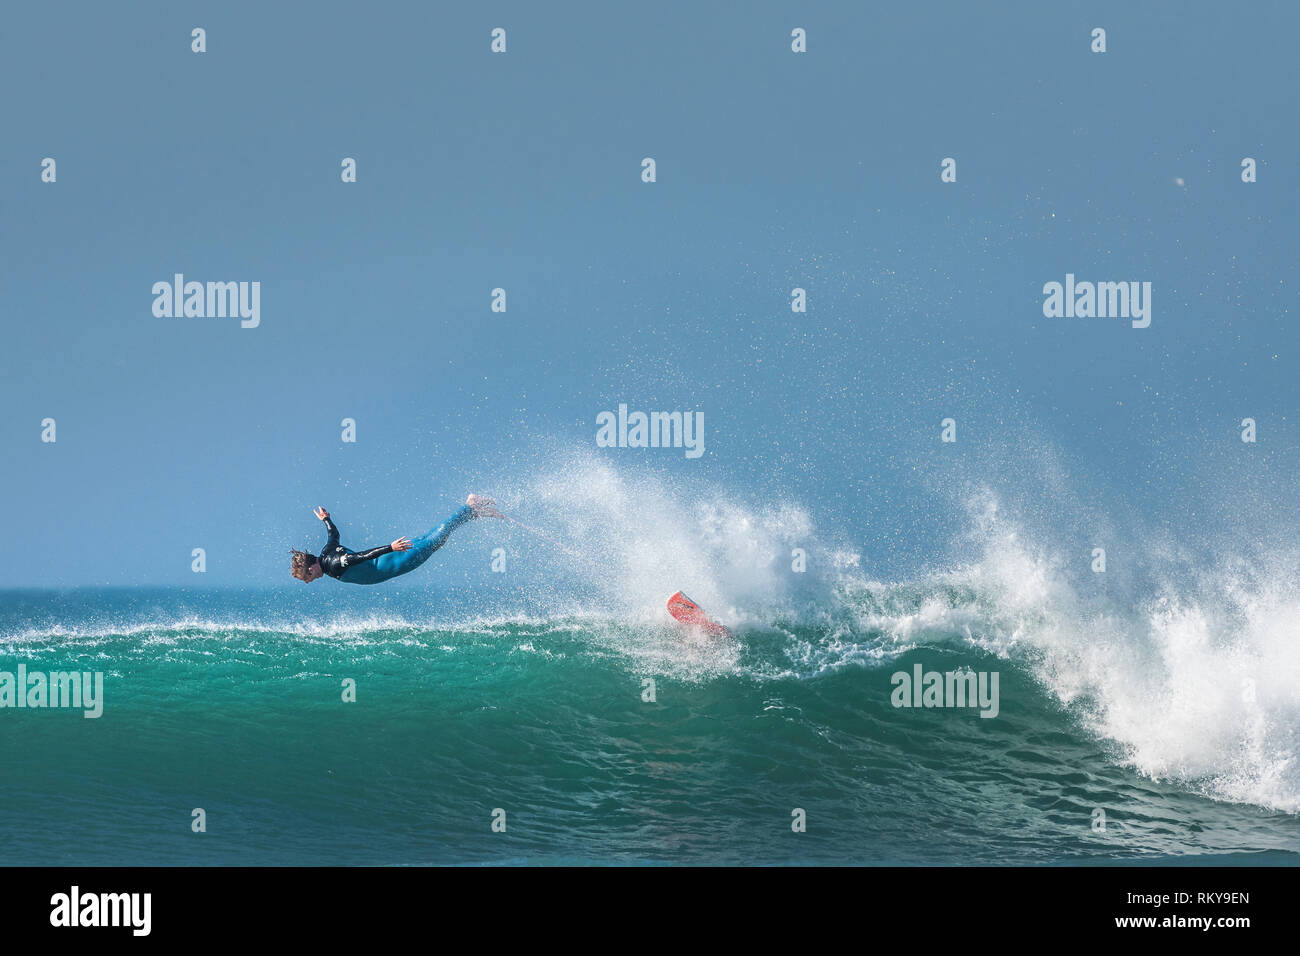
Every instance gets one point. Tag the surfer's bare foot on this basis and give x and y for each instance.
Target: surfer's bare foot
(483, 506)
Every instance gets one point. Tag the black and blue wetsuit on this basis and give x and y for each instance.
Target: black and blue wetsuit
(380, 564)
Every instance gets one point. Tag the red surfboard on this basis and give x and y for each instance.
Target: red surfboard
(690, 614)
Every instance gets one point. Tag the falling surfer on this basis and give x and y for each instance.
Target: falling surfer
(380, 564)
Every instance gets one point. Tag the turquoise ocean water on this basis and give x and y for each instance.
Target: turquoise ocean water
(232, 701)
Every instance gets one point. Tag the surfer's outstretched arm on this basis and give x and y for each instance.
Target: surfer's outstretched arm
(329, 526)
(356, 557)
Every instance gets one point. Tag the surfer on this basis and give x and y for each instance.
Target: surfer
(380, 564)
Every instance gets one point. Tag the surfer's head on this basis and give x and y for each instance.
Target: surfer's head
(304, 566)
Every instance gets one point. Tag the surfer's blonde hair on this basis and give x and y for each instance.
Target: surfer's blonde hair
(299, 562)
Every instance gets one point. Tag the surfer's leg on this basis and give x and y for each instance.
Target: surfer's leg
(399, 562)
(433, 539)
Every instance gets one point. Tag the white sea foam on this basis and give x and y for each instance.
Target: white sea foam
(1194, 677)
(1198, 681)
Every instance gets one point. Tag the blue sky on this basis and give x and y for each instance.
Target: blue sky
(522, 171)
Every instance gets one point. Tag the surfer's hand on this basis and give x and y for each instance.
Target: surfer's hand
(322, 514)
(401, 544)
